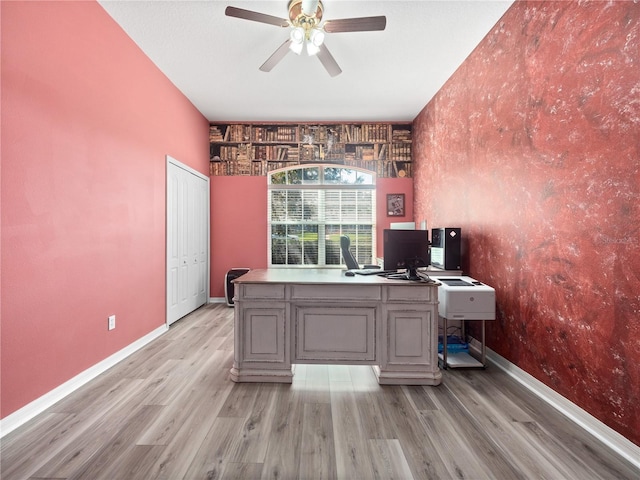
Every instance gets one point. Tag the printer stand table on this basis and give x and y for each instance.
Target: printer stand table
(461, 359)
(464, 299)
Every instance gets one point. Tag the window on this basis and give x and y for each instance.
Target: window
(311, 206)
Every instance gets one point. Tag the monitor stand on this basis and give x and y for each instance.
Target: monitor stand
(411, 274)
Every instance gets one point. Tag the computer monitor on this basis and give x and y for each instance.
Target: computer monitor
(406, 249)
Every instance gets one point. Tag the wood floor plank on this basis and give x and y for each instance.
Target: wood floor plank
(332, 422)
(253, 442)
(142, 362)
(421, 397)
(375, 421)
(339, 373)
(48, 434)
(162, 386)
(96, 439)
(190, 430)
(490, 416)
(563, 436)
(363, 378)
(565, 465)
(418, 447)
(285, 436)
(214, 452)
(240, 400)
(227, 344)
(135, 463)
(388, 460)
(96, 400)
(317, 457)
(105, 463)
(85, 431)
(185, 405)
(316, 384)
(241, 471)
(351, 449)
(48, 443)
(467, 386)
(455, 410)
(453, 447)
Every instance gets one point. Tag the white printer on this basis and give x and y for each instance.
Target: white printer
(464, 298)
(460, 299)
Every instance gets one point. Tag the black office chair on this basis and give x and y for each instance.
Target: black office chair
(349, 259)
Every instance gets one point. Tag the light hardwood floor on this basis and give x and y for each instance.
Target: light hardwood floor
(170, 412)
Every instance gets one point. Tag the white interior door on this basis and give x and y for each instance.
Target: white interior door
(187, 240)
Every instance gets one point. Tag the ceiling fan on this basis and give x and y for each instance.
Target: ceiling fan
(305, 18)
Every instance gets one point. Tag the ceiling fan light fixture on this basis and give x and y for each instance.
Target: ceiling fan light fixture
(296, 47)
(297, 36)
(316, 37)
(312, 49)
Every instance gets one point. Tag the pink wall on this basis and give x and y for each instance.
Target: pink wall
(239, 222)
(86, 122)
(238, 226)
(533, 148)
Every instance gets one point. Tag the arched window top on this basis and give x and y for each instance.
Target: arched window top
(322, 174)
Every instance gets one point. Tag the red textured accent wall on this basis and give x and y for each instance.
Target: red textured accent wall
(87, 120)
(533, 148)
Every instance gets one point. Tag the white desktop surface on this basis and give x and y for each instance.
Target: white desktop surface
(318, 276)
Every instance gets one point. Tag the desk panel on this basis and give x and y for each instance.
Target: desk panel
(335, 334)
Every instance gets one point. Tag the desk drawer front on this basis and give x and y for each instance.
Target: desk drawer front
(337, 292)
(254, 291)
(416, 293)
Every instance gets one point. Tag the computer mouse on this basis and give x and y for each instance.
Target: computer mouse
(349, 273)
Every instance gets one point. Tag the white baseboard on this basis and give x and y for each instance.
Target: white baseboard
(217, 300)
(618, 443)
(39, 405)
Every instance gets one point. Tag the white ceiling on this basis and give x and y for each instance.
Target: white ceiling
(388, 75)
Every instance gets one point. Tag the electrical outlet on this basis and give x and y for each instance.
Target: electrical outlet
(112, 322)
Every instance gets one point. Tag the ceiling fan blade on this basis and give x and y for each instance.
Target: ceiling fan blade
(256, 16)
(364, 24)
(276, 56)
(328, 61)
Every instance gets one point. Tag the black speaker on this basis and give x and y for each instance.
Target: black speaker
(228, 286)
(446, 246)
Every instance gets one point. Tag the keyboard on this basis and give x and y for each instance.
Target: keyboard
(372, 271)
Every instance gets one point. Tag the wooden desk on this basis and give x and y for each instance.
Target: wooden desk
(289, 316)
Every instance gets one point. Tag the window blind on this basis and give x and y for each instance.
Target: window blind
(308, 212)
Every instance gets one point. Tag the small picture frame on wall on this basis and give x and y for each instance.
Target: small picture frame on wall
(395, 205)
